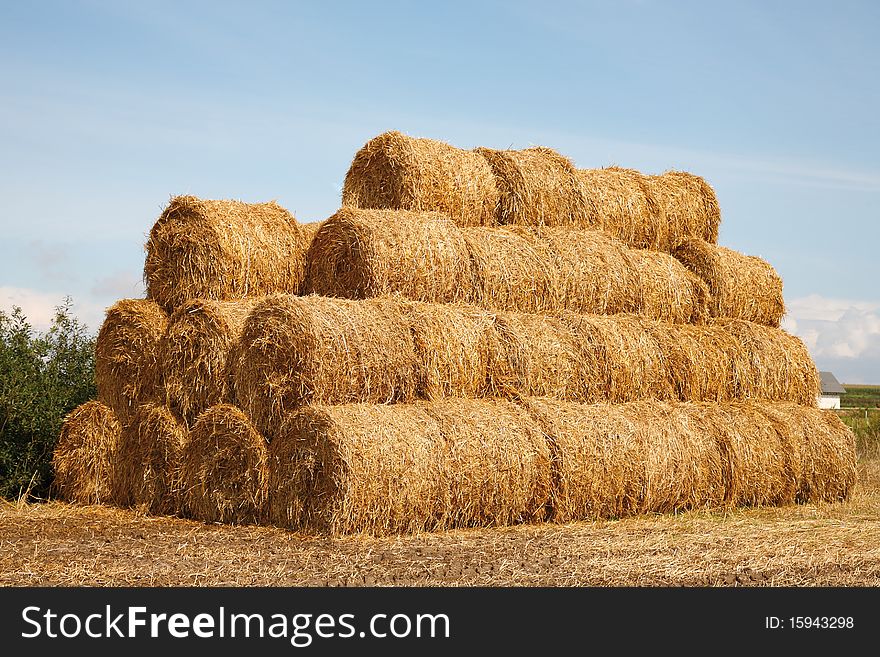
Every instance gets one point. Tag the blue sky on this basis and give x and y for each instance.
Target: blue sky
(107, 109)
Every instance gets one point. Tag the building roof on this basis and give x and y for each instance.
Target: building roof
(830, 385)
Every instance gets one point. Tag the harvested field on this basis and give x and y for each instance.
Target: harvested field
(818, 544)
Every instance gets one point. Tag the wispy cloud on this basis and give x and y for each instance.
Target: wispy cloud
(39, 307)
(119, 285)
(843, 335)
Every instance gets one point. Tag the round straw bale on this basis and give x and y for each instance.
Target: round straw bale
(397, 172)
(299, 350)
(669, 291)
(622, 358)
(625, 206)
(224, 469)
(195, 354)
(757, 460)
(147, 471)
(358, 468)
(200, 249)
(535, 355)
(740, 286)
(830, 471)
(775, 365)
(538, 186)
(702, 362)
(592, 271)
(452, 346)
(85, 454)
(595, 459)
(367, 253)
(497, 463)
(684, 464)
(689, 207)
(512, 270)
(309, 229)
(127, 371)
(614, 460)
(824, 448)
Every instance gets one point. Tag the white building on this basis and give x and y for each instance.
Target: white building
(829, 397)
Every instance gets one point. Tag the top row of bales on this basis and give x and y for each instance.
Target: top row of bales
(534, 186)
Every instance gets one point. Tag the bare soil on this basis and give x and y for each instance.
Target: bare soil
(56, 544)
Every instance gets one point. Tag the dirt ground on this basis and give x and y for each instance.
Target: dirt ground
(811, 545)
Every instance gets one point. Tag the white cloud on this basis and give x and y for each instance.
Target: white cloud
(39, 307)
(843, 335)
(119, 285)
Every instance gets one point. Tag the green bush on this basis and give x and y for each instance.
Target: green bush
(43, 376)
(865, 424)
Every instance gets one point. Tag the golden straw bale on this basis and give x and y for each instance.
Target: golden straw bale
(689, 207)
(616, 460)
(535, 355)
(309, 229)
(204, 249)
(539, 187)
(669, 291)
(740, 286)
(823, 448)
(703, 362)
(512, 271)
(756, 458)
(829, 460)
(592, 271)
(377, 469)
(776, 365)
(300, 350)
(224, 469)
(196, 354)
(396, 172)
(626, 208)
(497, 463)
(425, 257)
(85, 454)
(127, 370)
(452, 346)
(368, 253)
(620, 359)
(147, 470)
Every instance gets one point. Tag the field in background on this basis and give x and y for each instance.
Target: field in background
(860, 396)
(58, 544)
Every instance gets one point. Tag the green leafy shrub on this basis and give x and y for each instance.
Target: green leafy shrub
(43, 376)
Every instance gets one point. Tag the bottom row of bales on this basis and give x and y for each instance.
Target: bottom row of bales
(404, 468)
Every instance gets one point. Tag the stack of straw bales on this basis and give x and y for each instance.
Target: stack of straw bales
(475, 339)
